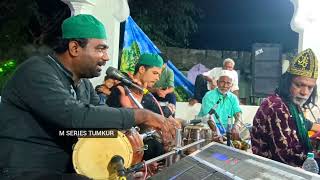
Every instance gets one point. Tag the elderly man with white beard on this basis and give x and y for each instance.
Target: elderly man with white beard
(226, 103)
(280, 129)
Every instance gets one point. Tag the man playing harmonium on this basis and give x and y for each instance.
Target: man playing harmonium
(280, 129)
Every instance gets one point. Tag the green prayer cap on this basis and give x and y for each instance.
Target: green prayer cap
(83, 26)
(153, 60)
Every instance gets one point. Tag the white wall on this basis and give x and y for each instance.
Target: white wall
(306, 22)
(110, 13)
(186, 112)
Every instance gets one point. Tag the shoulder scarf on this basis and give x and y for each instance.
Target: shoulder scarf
(299, 120)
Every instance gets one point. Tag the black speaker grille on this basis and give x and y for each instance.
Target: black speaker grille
(266, 68)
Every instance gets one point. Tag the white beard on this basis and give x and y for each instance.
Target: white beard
(223, 93)
(299, 100)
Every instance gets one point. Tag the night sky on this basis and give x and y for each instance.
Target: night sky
(237, 24)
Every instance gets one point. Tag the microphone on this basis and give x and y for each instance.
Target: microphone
(115, 74)
(117, 165)
(213, 109)
(211, 122)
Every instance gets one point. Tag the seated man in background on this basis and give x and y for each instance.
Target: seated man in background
(104, 90)
(280, 129)
(208, 81)
(227, 104)
(146, 73)
(164, 87)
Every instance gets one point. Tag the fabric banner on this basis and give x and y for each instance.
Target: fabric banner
(135, 43)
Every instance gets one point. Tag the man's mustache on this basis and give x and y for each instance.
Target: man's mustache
(301, 98)
(102, 63)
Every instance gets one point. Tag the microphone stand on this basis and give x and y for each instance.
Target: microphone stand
(129, 93)
(314, 117)
(219, 120)
(178, 138)
(213, 111)
(211, 123)
(229, 127)
(117, 161)
(178, 131)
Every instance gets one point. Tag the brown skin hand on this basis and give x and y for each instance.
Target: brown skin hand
(165, 127)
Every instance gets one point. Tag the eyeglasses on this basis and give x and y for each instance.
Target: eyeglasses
(225, 83)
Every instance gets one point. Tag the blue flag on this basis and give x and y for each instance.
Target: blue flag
(135, 43)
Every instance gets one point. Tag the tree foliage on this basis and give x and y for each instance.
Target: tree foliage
(27, 28)
(13, 27)
(24, 24)
(166, 22)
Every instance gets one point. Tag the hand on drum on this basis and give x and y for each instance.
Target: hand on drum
(165, 127)
(170, 125)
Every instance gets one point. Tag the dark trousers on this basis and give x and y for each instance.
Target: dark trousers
(171, 98)
(200, 88)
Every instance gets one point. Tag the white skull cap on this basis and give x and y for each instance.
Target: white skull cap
(226, 73)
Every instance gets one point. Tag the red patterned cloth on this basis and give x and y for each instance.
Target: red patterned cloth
(274, 133)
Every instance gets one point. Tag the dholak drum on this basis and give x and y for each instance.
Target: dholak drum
(91, 156)
(194, 133)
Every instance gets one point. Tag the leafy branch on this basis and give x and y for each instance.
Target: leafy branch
(166, 22)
